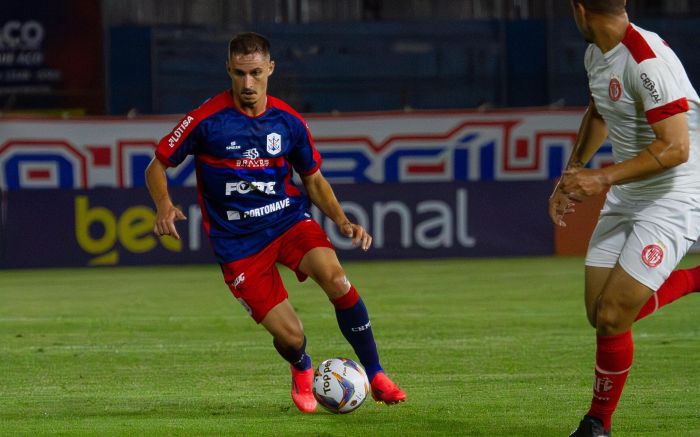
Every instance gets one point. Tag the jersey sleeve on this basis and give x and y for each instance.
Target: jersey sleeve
(660, 92)
(180, 142)
(303, 154)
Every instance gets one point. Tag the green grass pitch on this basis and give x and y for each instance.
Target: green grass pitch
(483, 347)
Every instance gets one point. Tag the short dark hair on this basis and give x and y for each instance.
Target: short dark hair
(608, 7)
(248, 43)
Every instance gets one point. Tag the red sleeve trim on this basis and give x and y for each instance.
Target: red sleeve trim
(655, 115)
(314, 169)
(164, 159)
(637, 45)
(169, 143)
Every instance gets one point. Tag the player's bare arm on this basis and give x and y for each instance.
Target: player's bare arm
(591, 135)
(166, 212)
(669, 149)
(321, 194)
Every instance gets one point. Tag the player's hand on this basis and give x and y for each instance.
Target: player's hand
(358, 234)
(560, 205)
(582, 182)
(165, 221)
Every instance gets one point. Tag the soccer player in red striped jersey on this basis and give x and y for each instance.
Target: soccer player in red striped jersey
(643, 102)
(246, 146)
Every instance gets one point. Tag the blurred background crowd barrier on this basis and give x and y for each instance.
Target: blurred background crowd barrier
(443, 124)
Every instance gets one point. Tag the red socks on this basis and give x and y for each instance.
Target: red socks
(678, 284)
(614, 353)
(613, 362)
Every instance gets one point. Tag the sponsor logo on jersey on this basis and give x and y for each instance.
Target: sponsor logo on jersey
(274, 143)
(245, 187)
(233, 146)
(251, 153)
(179, 130)
(651, 87)
(251, 160)
(233, 215)
(652, 255)
(259, 212)
(615, 89)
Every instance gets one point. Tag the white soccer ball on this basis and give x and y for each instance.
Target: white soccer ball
(340, 385)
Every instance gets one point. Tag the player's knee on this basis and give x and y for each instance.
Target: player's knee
(608, 318)
(335, 283)
(293, 337)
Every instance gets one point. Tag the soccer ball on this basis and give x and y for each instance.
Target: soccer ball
(340, 385)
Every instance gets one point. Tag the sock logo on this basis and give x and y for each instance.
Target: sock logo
(364, 327)
(602, 385)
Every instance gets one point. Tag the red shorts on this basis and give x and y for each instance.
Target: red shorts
(255, 280)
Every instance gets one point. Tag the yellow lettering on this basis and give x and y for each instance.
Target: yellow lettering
(135, 226)
(85, 217)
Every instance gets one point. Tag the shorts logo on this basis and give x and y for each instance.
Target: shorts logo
(652, 255)
(615, 89)
(239, 280)
(274, 143)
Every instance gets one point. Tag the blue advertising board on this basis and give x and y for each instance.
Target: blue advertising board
(60, 228)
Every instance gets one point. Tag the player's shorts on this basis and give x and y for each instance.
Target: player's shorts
(255, 280)
(647, 238)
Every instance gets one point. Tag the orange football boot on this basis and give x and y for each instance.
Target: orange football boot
(302, 394)
(384, 390)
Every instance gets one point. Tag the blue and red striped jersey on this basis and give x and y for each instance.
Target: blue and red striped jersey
(244, 169)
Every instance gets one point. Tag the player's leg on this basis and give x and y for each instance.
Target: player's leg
(257, 285)
(678, 284)
(651, 252)
(323, 266)
(596, 277)
(607, 242)
(617, 307)
(288, 337)
(307, 251)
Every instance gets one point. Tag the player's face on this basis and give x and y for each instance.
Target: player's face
(581, 22)
(249, 74)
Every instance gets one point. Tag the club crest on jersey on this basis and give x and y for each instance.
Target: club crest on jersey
(274, 143)
(652, 255)
(615, 89)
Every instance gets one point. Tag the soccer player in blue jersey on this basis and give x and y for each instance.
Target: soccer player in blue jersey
(246, 145)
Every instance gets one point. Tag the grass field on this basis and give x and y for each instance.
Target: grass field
(482, 347)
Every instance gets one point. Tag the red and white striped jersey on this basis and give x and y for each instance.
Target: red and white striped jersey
(638, 83)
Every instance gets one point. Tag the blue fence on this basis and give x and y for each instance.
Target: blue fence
(374, 66)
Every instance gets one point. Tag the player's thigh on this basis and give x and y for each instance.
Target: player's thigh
(595, 279)
(619, 303)
(659, 239)
(256, 283)
(284, 324)
(322, 265)
(610, 234)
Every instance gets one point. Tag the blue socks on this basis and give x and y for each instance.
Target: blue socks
(298, 358)
(353, 321)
